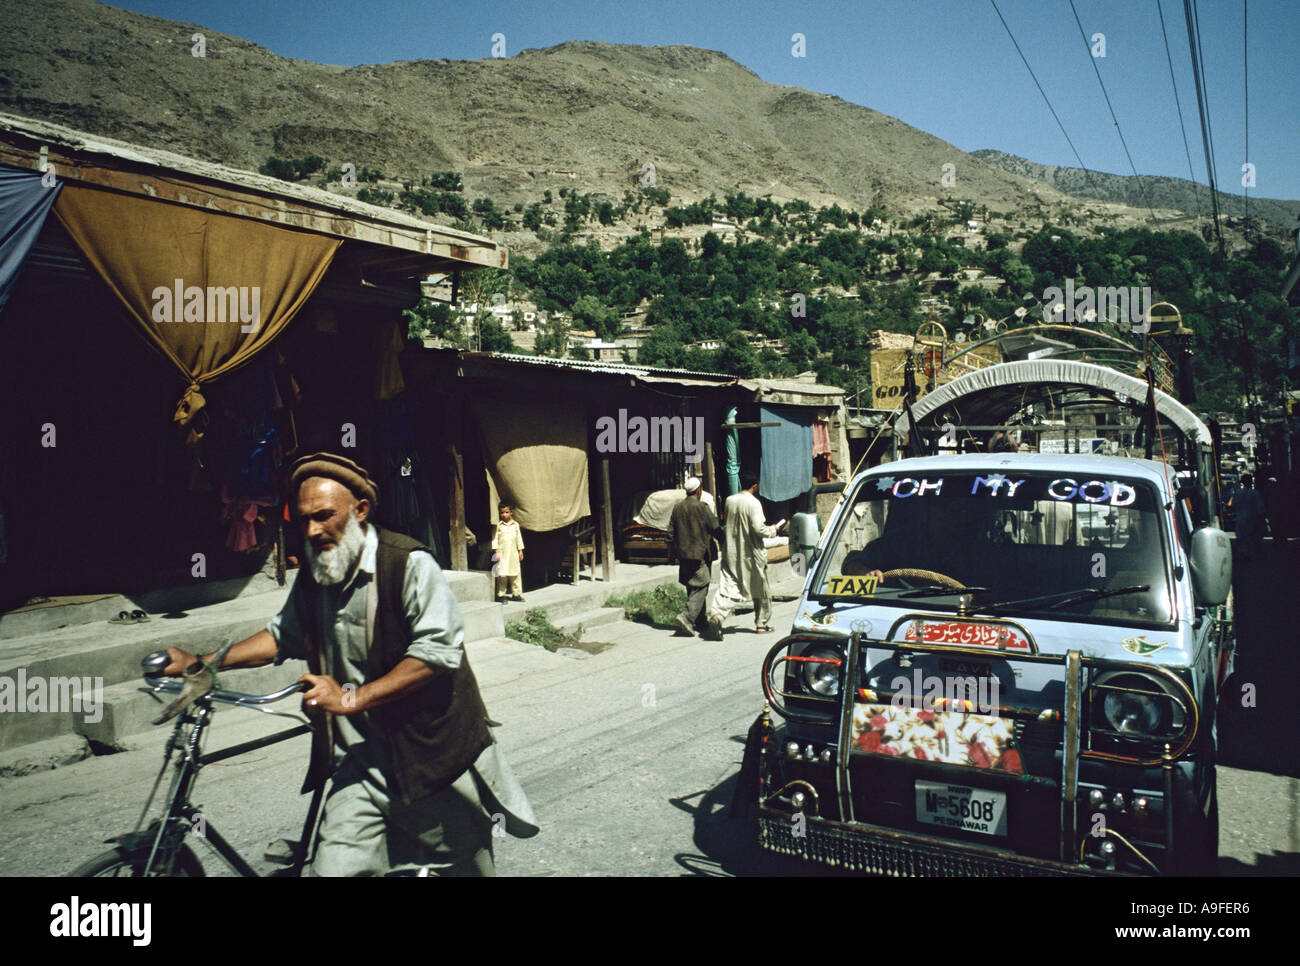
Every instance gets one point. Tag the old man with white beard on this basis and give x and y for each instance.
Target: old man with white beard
(419, 783)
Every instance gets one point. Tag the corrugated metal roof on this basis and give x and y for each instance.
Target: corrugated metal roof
(648, 373)
(791, 386)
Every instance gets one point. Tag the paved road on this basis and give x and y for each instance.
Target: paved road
(629, 756)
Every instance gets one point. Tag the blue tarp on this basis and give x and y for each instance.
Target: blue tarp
(785, 467)
(24, 203)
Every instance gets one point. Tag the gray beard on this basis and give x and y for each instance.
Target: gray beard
(332, 566)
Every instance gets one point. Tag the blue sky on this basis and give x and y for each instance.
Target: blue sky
(944, 66)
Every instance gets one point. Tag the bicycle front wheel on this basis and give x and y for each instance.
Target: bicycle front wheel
(118, 864)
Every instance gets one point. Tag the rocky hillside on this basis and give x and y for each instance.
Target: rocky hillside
(581, 114)
(1161, 192)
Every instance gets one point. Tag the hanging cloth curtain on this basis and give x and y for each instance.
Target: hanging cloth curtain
(24, 203)
(207, 289)
(537, 455)
(785, 465)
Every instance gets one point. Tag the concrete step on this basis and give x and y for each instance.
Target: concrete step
(465, 586)
(589, 621)
(566, 600)
(482, 619)
(128, 710)
(200, 593)
(469, 585)
(113, 651)
(44, 755)
(40, 619)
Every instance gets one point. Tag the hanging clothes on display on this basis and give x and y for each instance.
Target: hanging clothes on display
(245, 442)
(733, 454)
(404, 477)
(241, 518)
(821, 447)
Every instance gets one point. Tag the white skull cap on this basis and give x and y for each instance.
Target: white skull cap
(692, 484)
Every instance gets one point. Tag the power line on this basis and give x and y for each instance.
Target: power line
(1205, 85)
(1245, 77)
(1122, 142)
(1055, 117)
(1191, 170)
(1205, 134)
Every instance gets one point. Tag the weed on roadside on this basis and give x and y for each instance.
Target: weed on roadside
(536, 628)
(657, 607)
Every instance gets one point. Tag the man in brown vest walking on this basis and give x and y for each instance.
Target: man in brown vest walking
(419, 783)
(692, 529)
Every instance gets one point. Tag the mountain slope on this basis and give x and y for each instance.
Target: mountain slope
(1125, 189)
(582, 113)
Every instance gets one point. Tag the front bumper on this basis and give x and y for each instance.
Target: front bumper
(859, 813)
(882, 851)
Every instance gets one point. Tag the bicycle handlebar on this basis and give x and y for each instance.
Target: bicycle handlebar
(158, 660)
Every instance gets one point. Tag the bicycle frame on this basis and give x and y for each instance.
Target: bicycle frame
(178, 812)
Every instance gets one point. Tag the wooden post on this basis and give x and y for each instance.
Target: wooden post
(281, 563)
(607, 525)
(710, 479)
(456, 469)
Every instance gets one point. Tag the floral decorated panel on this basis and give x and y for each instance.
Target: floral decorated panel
(954, 737)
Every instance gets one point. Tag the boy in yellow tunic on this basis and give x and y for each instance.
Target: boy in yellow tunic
(508, 542)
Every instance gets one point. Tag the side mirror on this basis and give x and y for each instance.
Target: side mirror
(1211, 562)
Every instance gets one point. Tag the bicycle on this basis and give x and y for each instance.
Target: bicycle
(161, 849)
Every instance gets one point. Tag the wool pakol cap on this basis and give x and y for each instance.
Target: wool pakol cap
(337, 468)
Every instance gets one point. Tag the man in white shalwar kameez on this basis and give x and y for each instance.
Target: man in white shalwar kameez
(743, 575)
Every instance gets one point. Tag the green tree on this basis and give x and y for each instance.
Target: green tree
(493, 337)
(446, 180)
(802, 352)
(664, 346)
(590, 313)
(435, 319)
(493, 218)
(737, 357)
(553, 337)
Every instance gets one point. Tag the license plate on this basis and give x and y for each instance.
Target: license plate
(961, 807)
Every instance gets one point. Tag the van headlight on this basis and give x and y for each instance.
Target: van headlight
(1135, 705)
(821, 670)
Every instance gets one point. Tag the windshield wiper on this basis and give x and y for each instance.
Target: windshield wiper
(938, 592)
(1068, 597)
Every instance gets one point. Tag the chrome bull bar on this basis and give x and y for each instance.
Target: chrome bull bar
(1081, 693)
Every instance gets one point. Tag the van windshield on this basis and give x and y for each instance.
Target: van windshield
(1022, 535)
